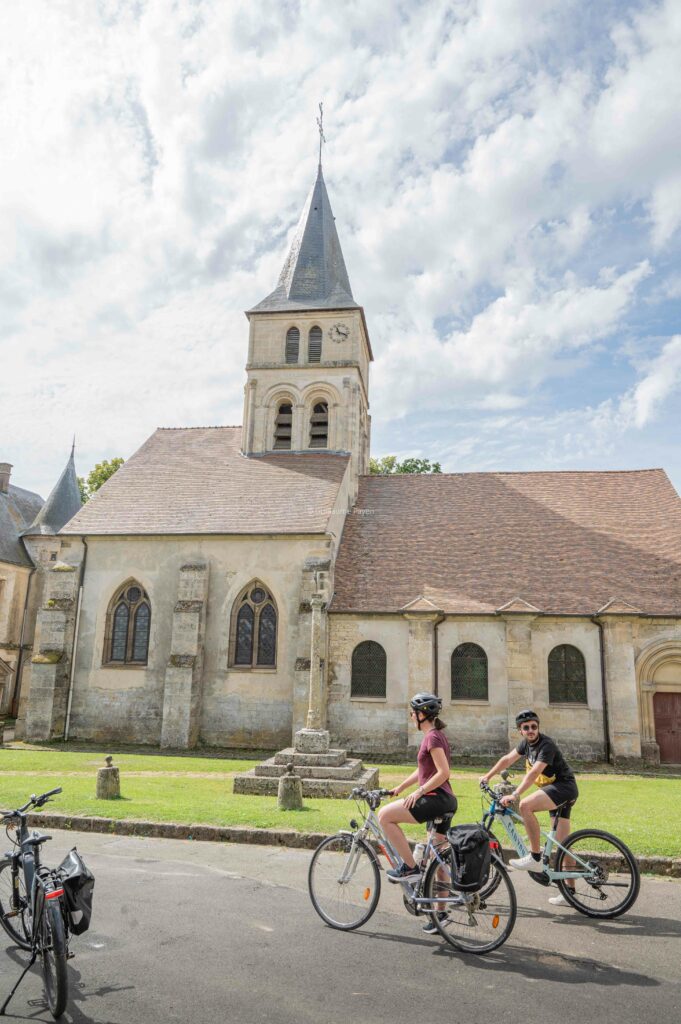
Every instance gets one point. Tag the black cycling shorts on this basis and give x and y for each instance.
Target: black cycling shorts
(560, 792)
(438, 804)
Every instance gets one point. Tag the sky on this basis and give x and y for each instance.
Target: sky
(506, 181)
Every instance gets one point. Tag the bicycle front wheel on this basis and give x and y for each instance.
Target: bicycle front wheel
(15, 914)
(53, 957)
(474, 922)
(611, 880)
(344, 881)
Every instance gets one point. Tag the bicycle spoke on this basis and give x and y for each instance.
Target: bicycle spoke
(610, 882)
(344, 882)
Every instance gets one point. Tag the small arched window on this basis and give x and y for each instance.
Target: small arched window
(314, 345)
(319, 426)
(283, 425)
(469, 673)
(126, 638)
(253, 640)
(567, 675)
(368, 670)
(292, 344)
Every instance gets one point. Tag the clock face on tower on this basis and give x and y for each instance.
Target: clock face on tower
(339, 332)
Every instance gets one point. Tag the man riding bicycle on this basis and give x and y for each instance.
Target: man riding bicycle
(546, 768)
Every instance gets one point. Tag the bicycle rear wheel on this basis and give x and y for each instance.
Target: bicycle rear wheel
(477, 922)
(15, 914)
(344, 881)
(612, 885)
(53, 957)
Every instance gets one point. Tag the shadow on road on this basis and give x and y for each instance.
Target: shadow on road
(534, 964)
(39, 1011)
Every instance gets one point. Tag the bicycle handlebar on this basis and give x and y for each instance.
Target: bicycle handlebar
(35, 801)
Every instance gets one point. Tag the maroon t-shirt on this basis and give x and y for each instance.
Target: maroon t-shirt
(427, 768)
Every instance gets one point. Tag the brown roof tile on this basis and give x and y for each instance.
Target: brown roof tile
(565, 543)
(196, 480)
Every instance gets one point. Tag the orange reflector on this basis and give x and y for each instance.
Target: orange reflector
(367, 894)
(495, 921)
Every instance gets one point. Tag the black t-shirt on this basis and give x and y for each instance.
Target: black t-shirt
(557, 768)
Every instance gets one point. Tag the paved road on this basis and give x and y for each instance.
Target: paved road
(203, 932)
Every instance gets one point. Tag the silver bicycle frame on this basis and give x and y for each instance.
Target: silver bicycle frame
(507, 817)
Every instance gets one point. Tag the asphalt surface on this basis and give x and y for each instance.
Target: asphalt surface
(202, 932)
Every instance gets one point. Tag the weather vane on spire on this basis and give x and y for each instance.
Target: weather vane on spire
(320, 126)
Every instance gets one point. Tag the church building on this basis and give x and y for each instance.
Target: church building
(223, 572)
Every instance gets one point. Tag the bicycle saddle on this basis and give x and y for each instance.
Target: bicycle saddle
(35, 840)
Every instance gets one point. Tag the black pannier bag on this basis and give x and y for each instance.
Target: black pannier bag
(471, 856)
(78, 882)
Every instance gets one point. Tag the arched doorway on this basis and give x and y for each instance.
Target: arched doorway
(659, 679)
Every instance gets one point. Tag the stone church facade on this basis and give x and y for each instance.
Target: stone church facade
(223, 573)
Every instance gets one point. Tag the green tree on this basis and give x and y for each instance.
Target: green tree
(389, 465)
(98, 476)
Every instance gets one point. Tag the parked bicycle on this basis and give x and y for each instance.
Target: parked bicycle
(595, 871)
(344, 881)
(39, 906)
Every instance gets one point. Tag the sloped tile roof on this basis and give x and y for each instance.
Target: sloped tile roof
(18, 508)
(565, 543)
(196, 481)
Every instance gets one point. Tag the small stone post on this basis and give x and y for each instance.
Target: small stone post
(290, 797)
(2, 729)
(108, 781)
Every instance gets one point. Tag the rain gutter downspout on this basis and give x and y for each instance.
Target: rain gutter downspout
(20, 660)
(606, 716)
(440, 619)
(67, 722)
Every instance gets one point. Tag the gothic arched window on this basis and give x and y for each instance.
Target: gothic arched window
(469, 673)
(319, 426)
(253, 635)
(283, 426)
(292, 344)
(368, 670)
(314, 345)
(567, 675)
(128, 620)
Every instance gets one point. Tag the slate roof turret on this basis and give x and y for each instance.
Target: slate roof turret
(62, 504)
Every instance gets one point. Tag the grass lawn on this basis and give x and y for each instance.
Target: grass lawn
(642, 810)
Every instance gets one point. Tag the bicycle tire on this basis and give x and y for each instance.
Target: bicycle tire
(587, 897)
(478, 925)
(53, 957)
(347, 904)
(20, 932)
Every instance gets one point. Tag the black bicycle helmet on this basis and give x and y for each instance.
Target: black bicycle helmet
(526, 716)
(427, 703)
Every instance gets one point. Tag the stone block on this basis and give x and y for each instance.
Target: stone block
(248, 783)
(350, 769)
(332, 758)
(312, 741)
(290, 792)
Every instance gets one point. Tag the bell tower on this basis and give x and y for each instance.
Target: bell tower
(307, 387)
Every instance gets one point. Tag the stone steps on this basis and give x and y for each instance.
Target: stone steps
(332, 758)
(250, 783)
(350, 769)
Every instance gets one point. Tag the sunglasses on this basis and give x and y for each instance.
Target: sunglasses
(529, 728)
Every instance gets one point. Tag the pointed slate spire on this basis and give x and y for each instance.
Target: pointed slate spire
(314, 274)
(62, 504)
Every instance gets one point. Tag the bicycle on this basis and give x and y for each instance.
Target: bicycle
(344, 882)
(601, 867)
(32, 905)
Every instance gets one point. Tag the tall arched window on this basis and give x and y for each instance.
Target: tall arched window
(314, 345)
(128, 620)
(292, 344)
(469, 673)
(319, 426)
(368, 670)
(253, 635)
(283, 426)
(567, 675)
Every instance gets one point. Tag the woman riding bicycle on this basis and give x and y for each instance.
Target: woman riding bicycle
(433, 798)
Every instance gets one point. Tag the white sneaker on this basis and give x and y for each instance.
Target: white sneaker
(559, 900)
(526, 863)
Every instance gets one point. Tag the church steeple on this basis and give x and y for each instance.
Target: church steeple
(314, 274)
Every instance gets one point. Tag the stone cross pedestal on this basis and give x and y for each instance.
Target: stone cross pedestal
(108, 781)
